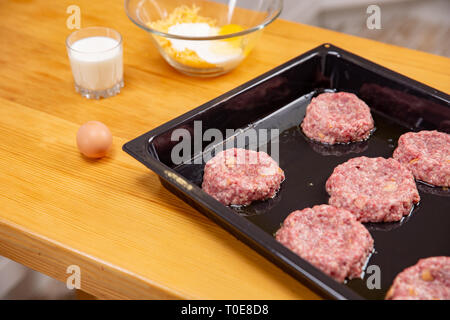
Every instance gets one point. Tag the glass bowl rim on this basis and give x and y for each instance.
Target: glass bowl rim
(264, 23)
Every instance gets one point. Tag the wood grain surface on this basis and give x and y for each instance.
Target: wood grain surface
(131, 237)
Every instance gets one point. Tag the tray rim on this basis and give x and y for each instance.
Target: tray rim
(238, 226)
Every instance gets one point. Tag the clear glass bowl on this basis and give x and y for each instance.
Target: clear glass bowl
(228, 32)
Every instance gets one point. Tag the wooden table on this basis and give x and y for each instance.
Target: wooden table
(130, 237)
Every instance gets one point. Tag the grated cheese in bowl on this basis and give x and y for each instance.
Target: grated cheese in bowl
(199, 54)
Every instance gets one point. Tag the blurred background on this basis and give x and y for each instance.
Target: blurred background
(417, 24)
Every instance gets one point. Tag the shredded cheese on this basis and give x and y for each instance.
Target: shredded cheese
(198, 55)
(182, 14)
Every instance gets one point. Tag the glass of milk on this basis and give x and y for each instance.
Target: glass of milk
(96, 59)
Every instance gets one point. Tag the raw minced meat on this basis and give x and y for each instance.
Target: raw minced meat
(429, 279)
(427, 155)
(373, 189)
(238, 176)
(329, 238)
(339, 117)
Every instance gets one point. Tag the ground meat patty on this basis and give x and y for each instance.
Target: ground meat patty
(373, 189)
(337, 118)
(427, 155)
(329, 238)
(238, 176)
(429, 279)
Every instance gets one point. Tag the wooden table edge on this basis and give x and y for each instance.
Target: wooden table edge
(53, 258)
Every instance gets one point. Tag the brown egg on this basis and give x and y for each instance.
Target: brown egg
(94, 139)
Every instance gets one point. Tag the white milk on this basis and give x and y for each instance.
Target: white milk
(96, 62)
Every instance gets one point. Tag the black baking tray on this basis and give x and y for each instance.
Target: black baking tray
(278, 99)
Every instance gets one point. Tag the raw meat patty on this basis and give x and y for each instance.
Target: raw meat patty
(429, 279)
(337, 118)
(427, 155)
(238, 176)
(373, 189)
(329, 238)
